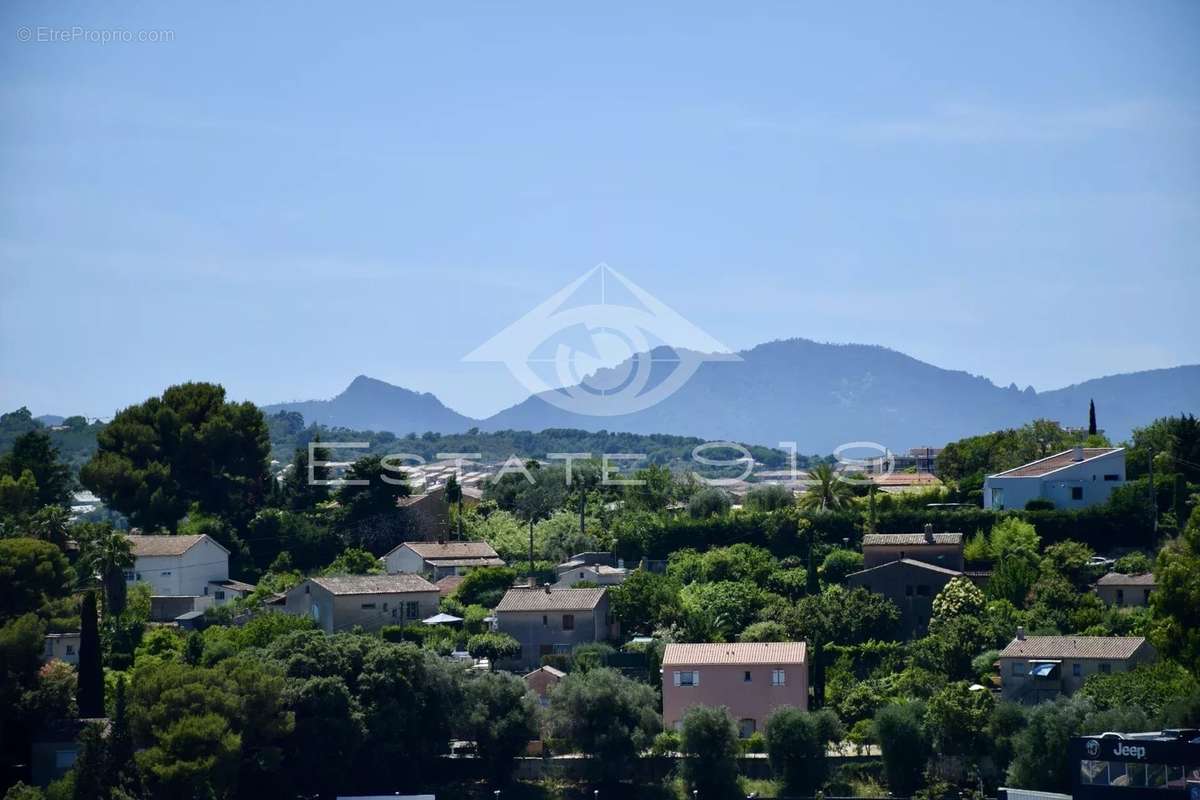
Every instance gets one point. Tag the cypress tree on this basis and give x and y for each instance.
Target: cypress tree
(90, 694)
(90, 764)
(1091, 417)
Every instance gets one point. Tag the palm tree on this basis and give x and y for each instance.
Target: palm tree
(827, 492)
(108, 556)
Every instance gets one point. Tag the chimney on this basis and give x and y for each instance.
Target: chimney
(1077, 454)
(929, 531)
(547, 587)
(1020, 633)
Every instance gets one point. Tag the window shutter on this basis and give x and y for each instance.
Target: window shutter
(696, 678)
(676, 677)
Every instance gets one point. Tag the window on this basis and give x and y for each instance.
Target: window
(411, 609)
(64, 759)
(1077, 670)
(128, 574)
(1076, 492)
(778, 677)
(385, 607)
(746, 728)
(219, 594)
(1018, 668)
(923, 590)
(568, 622)
(167, 574)
(368, 605)
(1111, 477)
(70, 649)
(1105, 667)
(1146, 595)
(687, 678)
(746, 676)
(1120, 597)
(545, 620)
(998, 499)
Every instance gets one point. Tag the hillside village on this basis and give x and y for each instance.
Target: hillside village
(954, 620)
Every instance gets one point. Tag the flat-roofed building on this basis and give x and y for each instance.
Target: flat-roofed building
(1075, 478)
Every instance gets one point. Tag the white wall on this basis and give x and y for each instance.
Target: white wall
(187, 574)
(403, 559)
(1087, 476)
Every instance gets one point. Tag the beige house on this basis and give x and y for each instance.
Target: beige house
(546, 620)
(1038, 668)
(342, 602)
(440, 559)
(940, 549)
(1116, 589)
(542, 680)
(750, 679)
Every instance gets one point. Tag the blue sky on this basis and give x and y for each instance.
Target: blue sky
(283, 197)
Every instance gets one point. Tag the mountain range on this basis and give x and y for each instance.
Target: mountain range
(817, 395)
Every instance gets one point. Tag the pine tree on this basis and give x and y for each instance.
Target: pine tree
(90, 694)
(120, 769)
(1091, 417)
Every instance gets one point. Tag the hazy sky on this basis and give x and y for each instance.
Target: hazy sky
(286, 195)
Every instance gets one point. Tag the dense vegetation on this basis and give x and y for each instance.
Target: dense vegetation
(269, 707)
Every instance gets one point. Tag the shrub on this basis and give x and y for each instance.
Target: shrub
(709, 741)
(796, 743)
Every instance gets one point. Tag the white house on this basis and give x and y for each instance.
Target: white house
(178, 566)
(1075, 478)
(440, 559)
(599, 574)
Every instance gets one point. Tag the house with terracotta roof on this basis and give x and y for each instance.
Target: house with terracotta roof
(1117, 589)
(940, 549)
(546, 620)
(1075, 478)
(1038, 668)
(341, 602)
(439, 559)
(750, 679)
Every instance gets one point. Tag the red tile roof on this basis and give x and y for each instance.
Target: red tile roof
(1057, 461)
(680, 655)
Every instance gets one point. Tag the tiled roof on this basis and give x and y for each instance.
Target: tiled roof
(434, 550)
(466, 562)
(160, 545)
(1113, 647)
(374, 584)
(740, 653)
(553, 600)
(912, 562)
(1119, 579)
(549, 670)
(910, 539)
(906, 479)
(449, 583)
(1057, 461)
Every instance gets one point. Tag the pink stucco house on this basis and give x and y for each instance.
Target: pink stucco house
(750, 679)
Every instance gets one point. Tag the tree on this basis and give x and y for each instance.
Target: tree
(500, 715)
(768, 498)
(607, 716)
(957, 718)
(454, 496)
(1175, 601)
(1151, 687)
(299, 487)
(35, 453)
(709, 740)
(91, 763)
(827, 490)
(797, 742)
(91, 676)
(726, 606)
(711, 502)
(353, 561)
(645, 601)
(959, 597)
(121, 768)
(1092, 418)
(840, 563)
(900, 730)
(155, 460)
(369, 516)
(108, 553)
(485, 586)
(494, 647)
(33, 573)
(193, 757)
(329, 731)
